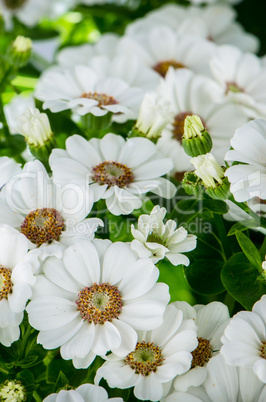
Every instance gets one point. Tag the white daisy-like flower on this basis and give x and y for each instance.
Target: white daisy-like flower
(8, 168)
(248, 179)
(35, 127)
(17, 267)
(211, 321)
(223, 383)
(116, 170)
(241, 77)
(160, 47)
(105, 46)
(83, 91)
(194, 94)
(156, 240)
(158, 357)
(44, 212)
(244, 340)
(94, 299)
(29, 12)
(84, 393)
(215, 23)
(14, 109)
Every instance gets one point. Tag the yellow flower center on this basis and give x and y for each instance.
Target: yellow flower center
(202, 353)
(145, 358)
(163, 66)
(112, 174)
(5, 282)
(102, 99)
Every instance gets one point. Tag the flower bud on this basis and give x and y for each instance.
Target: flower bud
(196, 139)
(212, 176)
(192, 184)
(20, 51)
(154, 115)
(12, 390)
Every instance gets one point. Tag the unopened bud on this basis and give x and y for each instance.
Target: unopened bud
(196, 139)
(20, 51)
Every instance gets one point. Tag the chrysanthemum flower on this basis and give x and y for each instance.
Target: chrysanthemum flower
(83, 91)
(244, 340)
(158, 357)
(248, 179)
(84, 393)
(17, 268)
(94, 299)
(242, 77)
(190, 94)
(223, 383)
(44, 212)
(156, 240)
(211, 321)
(116, 170)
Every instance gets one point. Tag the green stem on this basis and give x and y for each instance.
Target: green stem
(225, 245)
(261, 221)
(263, 249)
(3, 121)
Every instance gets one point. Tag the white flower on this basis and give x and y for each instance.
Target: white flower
(158, 357)
(12, 391)
(223, 383)
(159, 48)
(94, 299)
(116, 170)
(17, 267)
(22, 44)
(215, 22)
(208, 169)
(244, 340)
(242, 77)
(156, 240)
(83, 91)
(8, 168)
(45, 212)
(15, 108)
(211, 321)
(194, 94)
(248, 179)
(84, 393)
(35, 127)
(154, 115)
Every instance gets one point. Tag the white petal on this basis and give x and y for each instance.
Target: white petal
(118, 259)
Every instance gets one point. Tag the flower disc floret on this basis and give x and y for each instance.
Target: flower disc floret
(162, 66)
(43, 225)
(202, 353)
(12, 391)
(5, 282)
(263, 350)
(102, 98)
(145, 358)
(112, 174)
(99, 303)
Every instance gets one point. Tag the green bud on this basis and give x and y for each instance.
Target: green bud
(196, 139)
(221, 191)
(192, 184)
(20, 51)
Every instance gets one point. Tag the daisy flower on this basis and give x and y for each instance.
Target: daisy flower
(45, 212)
(196, 94)
(248, 179)
(84, 91)
(215, 23)
(84, 393)
(211, 321)
(241, 77)
(94, 299)
(244, 340)
(223, 383)
(156, 240)
(158, 357)
(116, 170)
(17, 268)
(160, 47)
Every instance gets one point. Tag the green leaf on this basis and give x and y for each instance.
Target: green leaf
(250, 250)
(243, 225)
(216, 206)
(61, 382)
(242, 280)
(28, 362)
(203, 276)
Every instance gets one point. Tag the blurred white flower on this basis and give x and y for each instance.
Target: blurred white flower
(35, 127)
